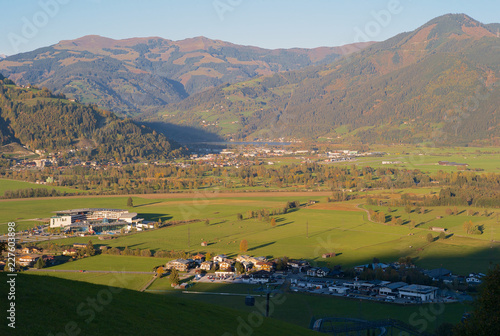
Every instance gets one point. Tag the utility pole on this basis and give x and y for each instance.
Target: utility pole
(307, 229)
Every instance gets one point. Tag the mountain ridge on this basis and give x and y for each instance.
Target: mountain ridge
(403, 89)
(138, 75)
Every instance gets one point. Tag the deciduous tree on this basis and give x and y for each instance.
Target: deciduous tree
(243, 245)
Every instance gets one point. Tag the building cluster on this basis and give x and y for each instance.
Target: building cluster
(386, 290)
(447, 277)
(223, 266)
(97, 221)
(28, 257)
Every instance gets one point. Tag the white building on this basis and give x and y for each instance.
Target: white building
(91, 219)
(338, 289)
(421, 292)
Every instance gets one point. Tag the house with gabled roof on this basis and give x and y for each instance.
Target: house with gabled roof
(206, 265)
(182, 265)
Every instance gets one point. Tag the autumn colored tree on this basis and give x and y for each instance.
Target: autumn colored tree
(468, 226)
(273, 222)
(408, 208)
(159, 271)
(130, 202)
(243, 245)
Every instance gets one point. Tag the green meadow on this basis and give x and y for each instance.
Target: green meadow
(121, 280)
(6, 184)
(301, 308)
(106, 262)
(305, 233)
(308, 232)
(48, 305)
(426, 159)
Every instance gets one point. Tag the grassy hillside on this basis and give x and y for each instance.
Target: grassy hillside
(416, 87)
(119, 312)
(300, 308)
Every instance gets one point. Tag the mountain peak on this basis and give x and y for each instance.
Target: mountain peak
(458, 26)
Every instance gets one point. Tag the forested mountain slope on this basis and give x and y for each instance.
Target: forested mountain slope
(42, 120)
(436, 84)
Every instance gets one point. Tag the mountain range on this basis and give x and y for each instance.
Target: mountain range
(137, 75)
(437, 84)
(434, 85)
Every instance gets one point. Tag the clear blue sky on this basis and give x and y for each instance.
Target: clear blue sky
(263, 23)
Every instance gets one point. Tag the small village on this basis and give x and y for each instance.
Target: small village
(215, 155)
(297, 275)
(323, 280)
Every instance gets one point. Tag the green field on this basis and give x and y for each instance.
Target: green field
(53, 306)
(426, 159)
(6, 184)
(307, 233)
(299, 308)
(122, 280)
(106, 262)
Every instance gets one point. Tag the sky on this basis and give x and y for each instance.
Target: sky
(32, 24)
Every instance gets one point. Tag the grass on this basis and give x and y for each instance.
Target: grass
(121, 280)
(300, 309)
(426, 159)
(306, 233)
(53, 306)
(106, 262)
(6, 184)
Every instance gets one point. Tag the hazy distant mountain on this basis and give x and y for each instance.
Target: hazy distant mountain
(140, 74)
(41, 120)
(438, 83)
(2, 56)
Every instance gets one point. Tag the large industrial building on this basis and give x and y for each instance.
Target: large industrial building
(94, 220)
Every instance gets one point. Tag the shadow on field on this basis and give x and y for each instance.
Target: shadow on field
(155, 216)
(145, 204)
(261, 246)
